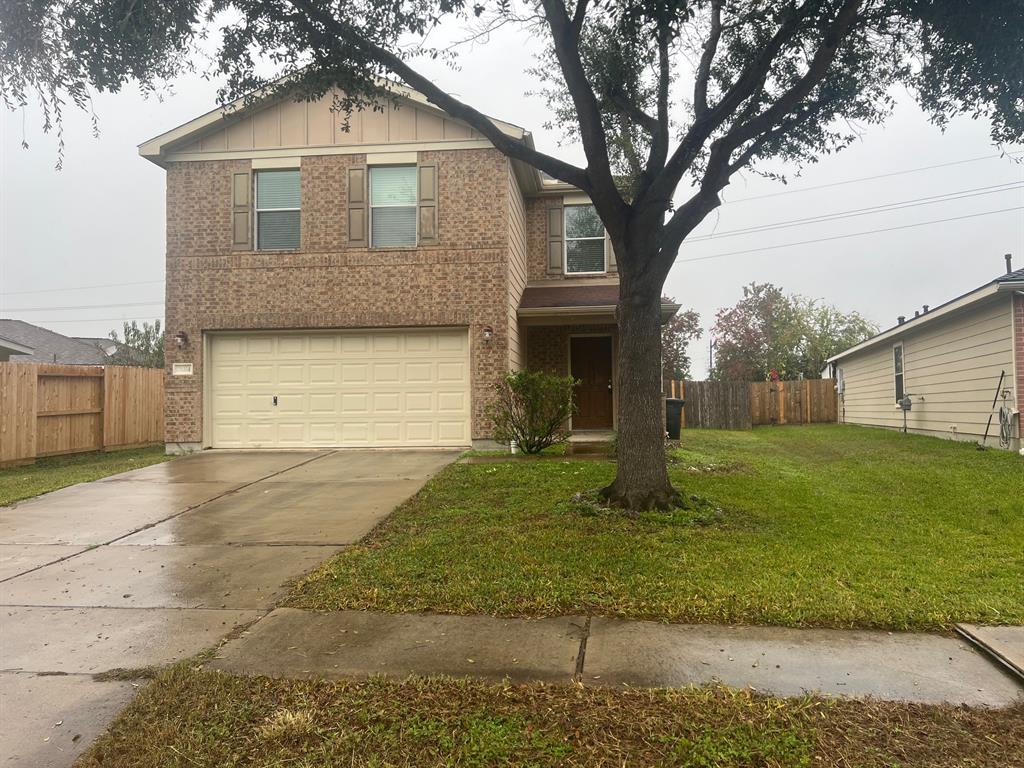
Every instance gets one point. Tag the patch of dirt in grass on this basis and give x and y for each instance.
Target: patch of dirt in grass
(698, 512)
(189, 716)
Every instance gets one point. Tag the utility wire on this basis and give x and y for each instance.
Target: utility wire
(851, 234)
(79, 288)
(99, 319)
(872, 178)
(86, 306)
(884, 208)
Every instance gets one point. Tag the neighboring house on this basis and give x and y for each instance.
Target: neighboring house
(10, 347)
(368, 288)
(951, 361)
(46, 346)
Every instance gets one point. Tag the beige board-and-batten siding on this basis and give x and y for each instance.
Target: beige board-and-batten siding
(951, 368)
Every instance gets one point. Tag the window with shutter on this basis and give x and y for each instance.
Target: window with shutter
(584, 241)
(393, 206)
(278, 210)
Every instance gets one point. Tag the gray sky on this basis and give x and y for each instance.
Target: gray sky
(101, 219)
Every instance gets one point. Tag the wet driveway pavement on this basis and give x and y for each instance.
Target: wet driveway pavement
(157, 564)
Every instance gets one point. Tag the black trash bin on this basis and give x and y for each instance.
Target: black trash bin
(673, 416)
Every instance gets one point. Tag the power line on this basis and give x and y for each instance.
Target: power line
(885, 208)
(871, 178)
(85, 306)
(851, 234)
(79, 288)
(99, 319)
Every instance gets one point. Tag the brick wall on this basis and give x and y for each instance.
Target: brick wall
(462, 281)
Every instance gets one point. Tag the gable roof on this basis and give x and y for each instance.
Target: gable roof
(216, 126)
(49, 346)
(1009, 281)
(11, 347)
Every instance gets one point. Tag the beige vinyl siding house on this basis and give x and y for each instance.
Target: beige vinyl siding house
(951, 361)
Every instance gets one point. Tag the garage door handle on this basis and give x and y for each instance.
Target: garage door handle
(275, 401)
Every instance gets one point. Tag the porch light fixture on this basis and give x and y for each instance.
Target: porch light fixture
(488, 333)
(181, 338)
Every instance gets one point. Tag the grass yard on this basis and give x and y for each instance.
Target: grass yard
(50, 474)
(194, 717)
(819, 526)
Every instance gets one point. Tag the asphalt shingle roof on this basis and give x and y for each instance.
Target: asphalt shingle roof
(49, 346)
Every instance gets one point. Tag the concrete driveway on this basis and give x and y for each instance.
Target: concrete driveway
(154, 565)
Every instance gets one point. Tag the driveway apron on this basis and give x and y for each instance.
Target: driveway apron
(154, 565)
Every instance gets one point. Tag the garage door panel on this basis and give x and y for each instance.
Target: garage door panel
(341, 388)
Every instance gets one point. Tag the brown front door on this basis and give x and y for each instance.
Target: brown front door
(591, 365)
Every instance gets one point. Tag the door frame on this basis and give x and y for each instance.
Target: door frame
(615, 371)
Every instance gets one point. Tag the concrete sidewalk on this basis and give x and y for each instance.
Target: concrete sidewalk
(912, 667)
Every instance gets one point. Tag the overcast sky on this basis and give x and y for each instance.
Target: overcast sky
(100, 220)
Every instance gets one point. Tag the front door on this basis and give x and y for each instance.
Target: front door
(591, 365)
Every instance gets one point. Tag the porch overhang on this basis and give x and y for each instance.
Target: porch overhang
(576, 305)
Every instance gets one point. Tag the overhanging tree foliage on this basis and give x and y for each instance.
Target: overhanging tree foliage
(668, 98)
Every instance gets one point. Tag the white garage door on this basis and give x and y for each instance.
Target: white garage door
(340, 389)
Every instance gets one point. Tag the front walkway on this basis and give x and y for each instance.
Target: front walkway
(910, 667)
(155, 565)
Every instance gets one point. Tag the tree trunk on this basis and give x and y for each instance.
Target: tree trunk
(641, 477)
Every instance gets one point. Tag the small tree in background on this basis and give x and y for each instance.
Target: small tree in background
(532, 409)
(676, 336)
(141, 345)
(768, 330)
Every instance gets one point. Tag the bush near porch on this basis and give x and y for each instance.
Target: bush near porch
(818, 526)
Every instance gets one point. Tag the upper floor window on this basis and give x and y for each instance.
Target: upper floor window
(897, 369)
(277, 210)
(584, 241)
(392, 206)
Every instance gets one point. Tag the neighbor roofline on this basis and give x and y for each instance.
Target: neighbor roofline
(15, 347)
(943, 310)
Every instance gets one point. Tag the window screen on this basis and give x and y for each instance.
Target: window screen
(897, 369)
(584, 240)
(277, 210)
(392, 206)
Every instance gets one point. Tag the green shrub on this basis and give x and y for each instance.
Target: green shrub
(531, 409)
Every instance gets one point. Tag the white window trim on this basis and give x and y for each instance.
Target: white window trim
(257, 210)
(903, 369)
(566, 239)
(370, 206)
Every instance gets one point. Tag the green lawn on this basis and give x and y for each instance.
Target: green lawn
(819, 526)
(194, 717)
(17, 483)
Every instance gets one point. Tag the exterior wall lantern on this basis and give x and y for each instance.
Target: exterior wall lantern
(181, 339)
(488, 334)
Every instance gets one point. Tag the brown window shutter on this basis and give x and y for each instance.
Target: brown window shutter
(427, 202)
(357, 206)
(609, 254)
(241, 211)
(555, 226)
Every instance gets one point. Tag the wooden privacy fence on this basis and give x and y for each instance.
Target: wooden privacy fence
(48, 409)
(740, 405)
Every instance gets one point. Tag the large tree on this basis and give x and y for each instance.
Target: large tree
(770, 331)
(676, 336)
(668, 98)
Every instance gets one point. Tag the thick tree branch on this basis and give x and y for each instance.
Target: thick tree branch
(700, 89)
(332, 34)
(565, 38)
(633, 112)
(746, 85)
(818, 69)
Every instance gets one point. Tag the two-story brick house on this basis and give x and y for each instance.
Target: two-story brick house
(368, 287)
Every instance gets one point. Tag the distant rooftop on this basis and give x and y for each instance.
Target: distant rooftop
(49, 346)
